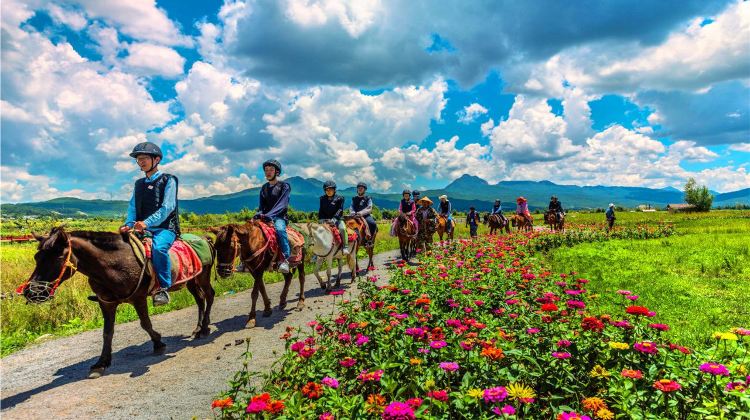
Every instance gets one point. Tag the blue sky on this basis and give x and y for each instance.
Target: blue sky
(396, 94)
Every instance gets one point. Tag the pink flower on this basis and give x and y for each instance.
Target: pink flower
(414, 402)
(561, 355)
(361, 340)
(660, 327)
(296, 347)
(563, 343)
(449, 366)
(575, 304)
(507, 410)
(647, 347)
(438, 395)
(326, 416)
(439, 344)
(572, 416)
(533, 330)
(256, 406)
(348, 362)
(495, 395)
(337, 293)
(624, 292)
(330, 382)
(398, 411)
(716, 369)
(632, 297)
(373, 376)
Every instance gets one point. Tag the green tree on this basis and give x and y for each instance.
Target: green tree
(698, 196)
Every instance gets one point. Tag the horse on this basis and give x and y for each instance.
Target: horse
(115, 275)
(249, 243)
(427, 228)
(326, 249)
(520, 222)
(551, 219)
(407, 233)
(442, 226)
(359, 224)
(495, 222)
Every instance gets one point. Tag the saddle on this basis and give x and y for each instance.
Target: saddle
(296, 243)
(351, 234)
(186, 262)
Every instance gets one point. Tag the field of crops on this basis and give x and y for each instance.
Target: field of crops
(491, 329)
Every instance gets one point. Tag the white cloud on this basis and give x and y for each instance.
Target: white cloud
(355, 16)
(740, 147)
(119, 147)
(471, 113)
(18, 185)
(151, 60)
(72, 18)
(687, 150)
(226, 185)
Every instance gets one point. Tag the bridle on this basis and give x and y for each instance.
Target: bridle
(38, 288)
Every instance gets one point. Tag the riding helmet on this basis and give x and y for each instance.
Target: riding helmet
(362, 184)
(273, 162)
(329, 184)
(146, 148)
(406, 192)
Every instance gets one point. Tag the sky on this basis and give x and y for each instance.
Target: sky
(397, 94)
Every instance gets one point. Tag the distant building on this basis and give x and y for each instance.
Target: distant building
(646, 207)
(675, 208)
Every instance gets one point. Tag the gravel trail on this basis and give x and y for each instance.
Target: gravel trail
(49, 380)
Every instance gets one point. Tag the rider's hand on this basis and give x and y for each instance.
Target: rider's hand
(139, 226)
(124, 229)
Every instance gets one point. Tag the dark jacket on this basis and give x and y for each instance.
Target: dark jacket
(274, 200)
(331, 207)
(149, 199)
(556, 206)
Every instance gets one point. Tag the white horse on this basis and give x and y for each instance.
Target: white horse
(324, 249)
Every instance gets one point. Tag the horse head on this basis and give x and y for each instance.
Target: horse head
(55, 263)
(227, 247)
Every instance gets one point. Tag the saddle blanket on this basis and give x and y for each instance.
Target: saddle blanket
(186, 264)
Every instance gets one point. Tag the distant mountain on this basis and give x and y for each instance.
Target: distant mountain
(463, 192)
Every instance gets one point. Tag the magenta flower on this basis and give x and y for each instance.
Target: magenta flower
(564, 343)
(647, 347)
(561, 355)
(716, 369)
(507, 410)
(348, 362)
(660, 327)
(361, 340)
(572, 416)
(495, 395)
(337, 293)
(330, 382)
(533, 330)
(449, 366)
(257, 406)
(439, 344)
(575, 304)
(398, 411)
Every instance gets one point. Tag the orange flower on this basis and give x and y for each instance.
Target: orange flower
(493, 353)
(594, 404)
(275, 407)
(312, 390)
(225, 403)
(375, 403)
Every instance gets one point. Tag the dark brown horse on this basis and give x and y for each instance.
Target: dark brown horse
(407, 235)
(520, 222)
(251, 246)
(442, 228)
(115, 275)
(359, 225)
(551, 219)
(495, 222)
(427, 228)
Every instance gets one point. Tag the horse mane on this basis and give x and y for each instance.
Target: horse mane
(108, 241)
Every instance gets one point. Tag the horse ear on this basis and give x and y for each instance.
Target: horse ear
(213, 230)
(39, 238)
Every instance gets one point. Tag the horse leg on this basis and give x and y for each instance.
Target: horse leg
(318, 263)
(200, 302)
(108, 312)
(254, 298)
(329, 263)
(285, 291)
(339, 263)
(204, 282)
(266, 301)
(141, 308)
(301, 276)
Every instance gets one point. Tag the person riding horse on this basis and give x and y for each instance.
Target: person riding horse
(153, 208)
(522, 209)
(274, 201)
(427, 218)
(497, 209)
(362, 207)
(331, 211)
(407, 208)
(556, 208)
(446, 211)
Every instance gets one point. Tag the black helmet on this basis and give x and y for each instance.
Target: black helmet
(406, 192)
(273, 162)
(497, 200)
(146, 148)
(329, 184)
(362, 184)
(415, 193)
(554, 197)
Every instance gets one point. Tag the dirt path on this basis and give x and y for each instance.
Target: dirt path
(49, 380)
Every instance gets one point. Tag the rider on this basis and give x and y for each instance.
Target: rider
(274, 200)
(331, 210)
(362, 207)
(610, 215)
(498, 210)
(522, 209)
(472, 221)
(406, 207)
(153, 207)
(426, 212)
(446, 211)
(557, 208)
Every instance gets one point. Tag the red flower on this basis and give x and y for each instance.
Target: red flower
(592, 324)
(312, 390)
(667, 385)
(549, 307)
(638, 310)
(226, 402)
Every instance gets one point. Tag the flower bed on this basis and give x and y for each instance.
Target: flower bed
(481, 331)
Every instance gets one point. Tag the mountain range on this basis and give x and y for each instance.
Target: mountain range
(463, 192)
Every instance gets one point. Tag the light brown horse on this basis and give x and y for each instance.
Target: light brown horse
(495, 222)
(407, 236)
(359, 225)
(249, 243)
(442, 228)
(521, 222)
(115, 275)
(555, 225)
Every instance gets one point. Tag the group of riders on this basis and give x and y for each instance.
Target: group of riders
(153, 208)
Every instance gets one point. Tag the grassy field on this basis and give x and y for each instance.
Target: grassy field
(71, 312)
(697, 281)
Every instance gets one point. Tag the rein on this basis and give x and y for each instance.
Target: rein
(58, 280)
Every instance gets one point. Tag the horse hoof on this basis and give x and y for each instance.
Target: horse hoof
(160, 349)
(267, 313)
(95, 373)
(204, 333)
(250, 323)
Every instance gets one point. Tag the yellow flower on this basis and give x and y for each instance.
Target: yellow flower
(476, 393)
(415, 361)
(742, 369)
(519, 392)
(618, 346)
(725, 336)
(599, 372)
(605, 414)
(429, 384)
